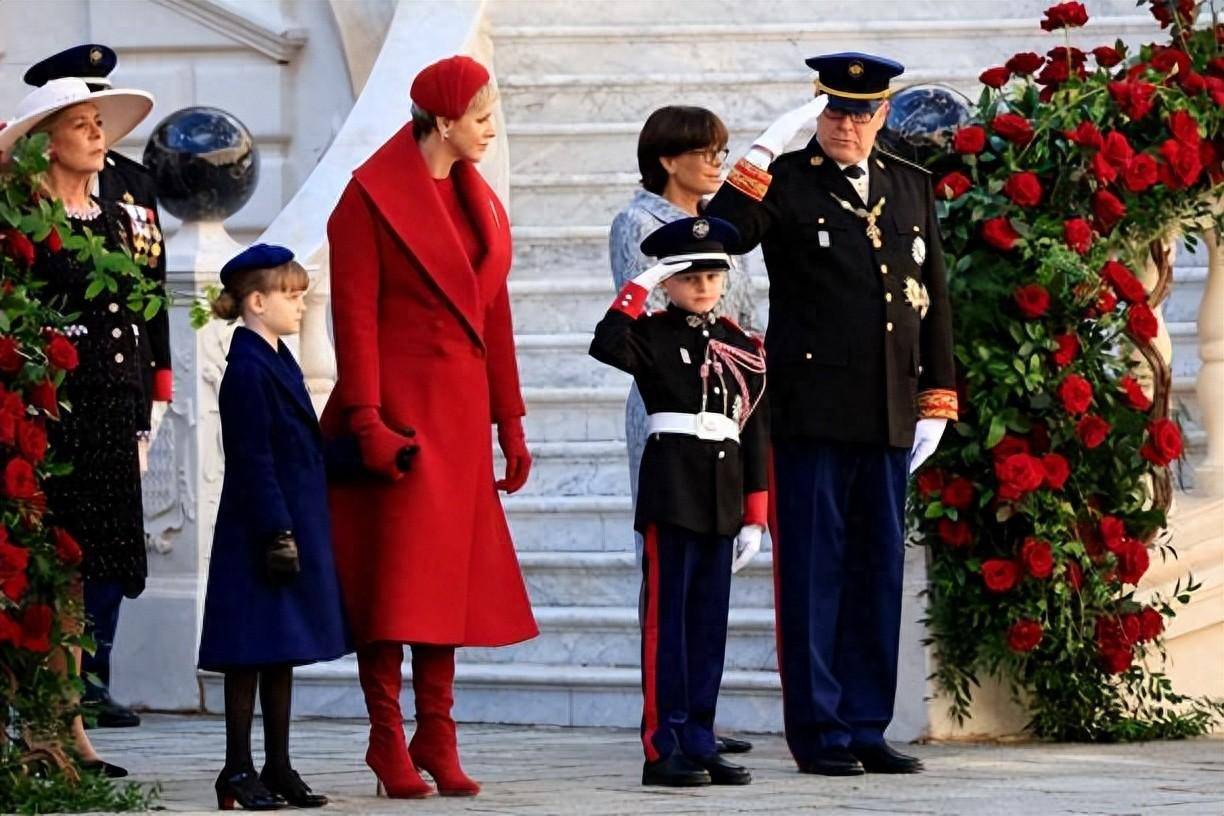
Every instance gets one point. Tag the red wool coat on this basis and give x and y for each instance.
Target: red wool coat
(426, 339)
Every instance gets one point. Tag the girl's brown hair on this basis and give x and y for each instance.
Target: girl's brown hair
(288, 277)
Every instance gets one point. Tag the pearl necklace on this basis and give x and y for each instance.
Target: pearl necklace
(86, 213)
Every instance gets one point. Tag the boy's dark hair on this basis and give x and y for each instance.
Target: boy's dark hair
(673, 130)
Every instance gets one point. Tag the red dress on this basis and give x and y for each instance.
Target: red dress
(423, 333)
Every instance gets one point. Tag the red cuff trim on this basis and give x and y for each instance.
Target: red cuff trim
(749, 179)
(756, 508)
(631, 300)
(163, 385)
(937, 403)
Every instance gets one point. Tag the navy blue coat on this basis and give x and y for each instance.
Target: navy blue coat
(274, 480)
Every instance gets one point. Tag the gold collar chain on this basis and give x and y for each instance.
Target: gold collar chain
(873, 231)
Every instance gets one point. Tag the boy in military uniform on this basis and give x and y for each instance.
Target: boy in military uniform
(702, 501)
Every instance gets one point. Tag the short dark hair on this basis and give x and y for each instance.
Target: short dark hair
(673, 130)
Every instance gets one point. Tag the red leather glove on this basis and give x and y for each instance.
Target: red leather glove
(514, 447)
(382, 449)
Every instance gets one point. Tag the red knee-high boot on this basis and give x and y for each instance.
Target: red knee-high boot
(378, 667)
(434, 746)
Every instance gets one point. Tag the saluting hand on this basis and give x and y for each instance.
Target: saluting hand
(660, 272)
(778, 135)
(518, 459)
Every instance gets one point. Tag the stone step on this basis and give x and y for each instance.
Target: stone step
(569, 199)
(556, 414)
(527, 693)
(575, 469)
(561, 361)
(1184, 335)
(570, 523)
(555, 252)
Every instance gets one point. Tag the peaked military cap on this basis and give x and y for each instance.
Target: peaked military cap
(256, 256)
(90, 62)
(704, 242)
(854, 81)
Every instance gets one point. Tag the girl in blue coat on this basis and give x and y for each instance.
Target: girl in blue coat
(273, 599)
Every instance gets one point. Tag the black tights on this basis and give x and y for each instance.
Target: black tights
(275, 685)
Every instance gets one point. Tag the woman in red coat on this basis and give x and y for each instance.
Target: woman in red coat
(420, 252)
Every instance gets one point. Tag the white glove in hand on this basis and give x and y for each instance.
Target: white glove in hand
(660, 272)
(926, 440)
(747, 544)
(778, 135)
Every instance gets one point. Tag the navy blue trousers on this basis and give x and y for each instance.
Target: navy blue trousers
(102, 599)
(838, 539)
(687, 588)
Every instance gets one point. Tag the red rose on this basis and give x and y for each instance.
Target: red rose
(1074, 576)
(1009, 446)
(1117, 661)
(1092, 431)
(1215, 87)
(53, 242)
(1106, 56)
(952, 186)
(1024, 635)
(1113, 532)
(1057, 470)
(1068, 56)
(1172, 61)
(1038, 558)
(1015, 129)
(1108, 210)
(1053, 74)
(1133, 97)
(1064, 15)
(1032, 299)
(999, 574)
(19, 246)
(971, 139)
(1141, 323)
(32, 440)
(1107, 301)
(1182, 164)
(1086, 134)
(956, 534)
(11, 360)
(1068, 348)
(1133, 561)
(929, 482)
(36, 628)
(1026, 62)
(999, 233)
(8, 429)
(67, 548)
(1078, 234)
(1164, 14)
(1135, 397)
(1024, 189)
(957, 493)
(62, 353)
(1123, 282)
(1193, 84)
(13, 563)
(1164, 442)
(1184, 128)
(1104, 171)
(43, 395)
(1151, 623)
(995, 77)
(1075, 392)
(1018, 475)
(10, 630)
(11, 404)
(1140, 173)
(1117, 149)
(19, 479)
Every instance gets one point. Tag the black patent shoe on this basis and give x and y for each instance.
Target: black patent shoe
(676, 771)
(103, 767)
(731, 745)
(723, 772)
(833, 761)
(244, 788)
(287, 784)
(106, 712)
(883, 758)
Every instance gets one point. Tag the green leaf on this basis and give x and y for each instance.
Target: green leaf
(995, 434)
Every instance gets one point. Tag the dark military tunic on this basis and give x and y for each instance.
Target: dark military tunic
(851, 357)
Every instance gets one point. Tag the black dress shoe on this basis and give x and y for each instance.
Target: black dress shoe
(676, 771)
(109, 714)
(834, 761)
(286, 783)
(244, 788)
(731, 745)
(723, 772)
(882, 758)
(105, 768)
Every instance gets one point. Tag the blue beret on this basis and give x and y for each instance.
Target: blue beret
(257, 256)
(90, 62)
(854, 81)
(705, 242)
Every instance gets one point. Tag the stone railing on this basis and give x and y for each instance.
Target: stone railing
(1209, 476)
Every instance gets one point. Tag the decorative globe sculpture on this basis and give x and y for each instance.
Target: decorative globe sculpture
(921, 121)
(205, 163)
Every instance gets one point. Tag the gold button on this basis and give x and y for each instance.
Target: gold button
(819, 220)
(807, 355)
(716, 390)
(889, 326)
(884, 268)
(888, 297)
(116, 333)
(722, 454)
(705, 333)
(113, 307)
(628, 296)
(916, 229)
(119, 358)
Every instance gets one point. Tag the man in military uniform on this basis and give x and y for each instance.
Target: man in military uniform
(131, 185)
(859, 348)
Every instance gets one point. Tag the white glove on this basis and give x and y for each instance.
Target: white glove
(660, 272)
(778, 135)
(747, 544)
(926, 440)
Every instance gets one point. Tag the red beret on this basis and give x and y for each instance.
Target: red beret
(446, 88)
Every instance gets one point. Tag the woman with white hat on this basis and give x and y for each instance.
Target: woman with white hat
(99, 502)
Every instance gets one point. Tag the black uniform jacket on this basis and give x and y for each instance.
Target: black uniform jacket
(851, 357)
(706, 486)
(130, 183)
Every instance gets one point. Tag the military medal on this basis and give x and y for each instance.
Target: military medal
(873, 230)
(916, 296)
(918, 250)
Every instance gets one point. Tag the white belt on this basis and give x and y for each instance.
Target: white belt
(706, 425)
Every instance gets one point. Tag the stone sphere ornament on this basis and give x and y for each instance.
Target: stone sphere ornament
(205, 163)
(921, 121)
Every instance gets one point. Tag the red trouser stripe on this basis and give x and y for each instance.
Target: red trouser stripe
(650, 645)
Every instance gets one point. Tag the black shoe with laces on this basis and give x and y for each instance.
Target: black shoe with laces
(286, 783)
(675, 771)
(244, 788)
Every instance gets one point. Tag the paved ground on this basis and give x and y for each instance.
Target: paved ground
(596, 771)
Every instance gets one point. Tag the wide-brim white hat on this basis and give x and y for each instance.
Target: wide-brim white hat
(121, 109)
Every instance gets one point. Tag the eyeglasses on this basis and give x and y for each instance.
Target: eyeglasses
(857, 117)
(711, 156)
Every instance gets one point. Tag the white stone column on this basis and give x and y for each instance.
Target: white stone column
(154, 658)
(1209, 476)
